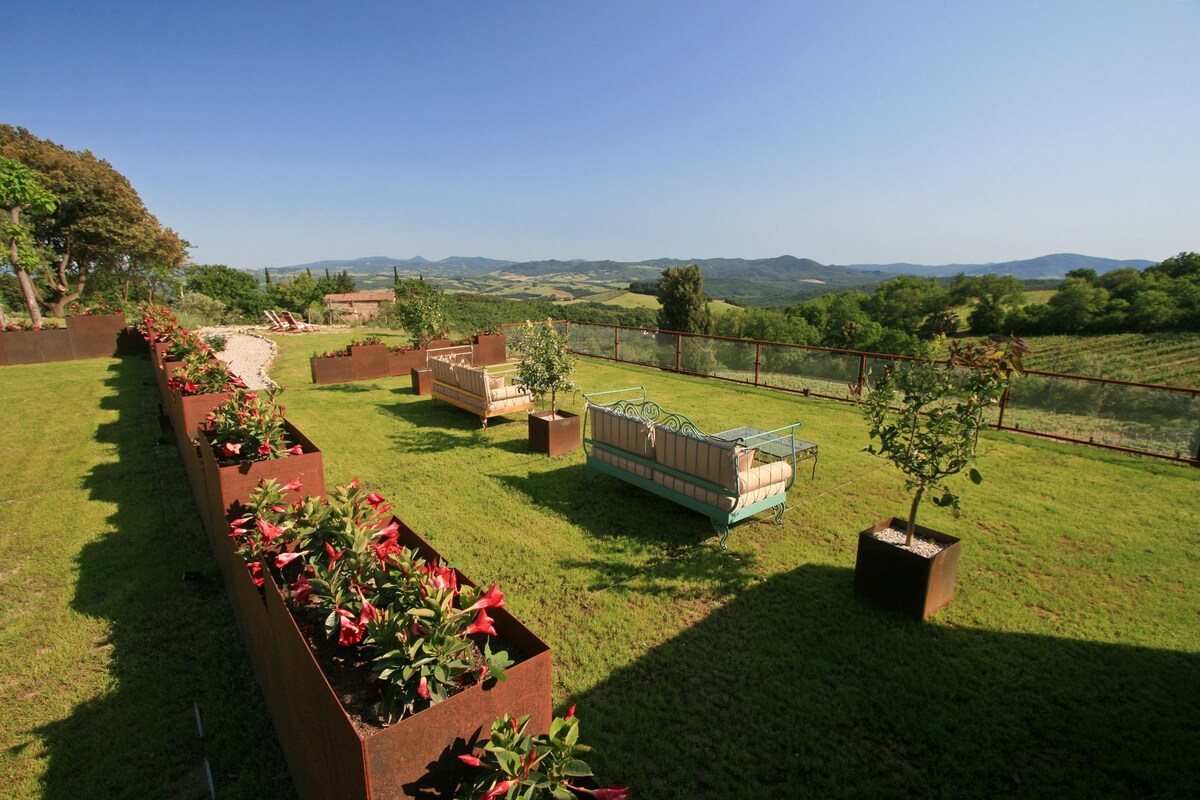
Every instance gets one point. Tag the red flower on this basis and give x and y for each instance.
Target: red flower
(264, 449)
(294, 486)
(612, 793)
(354, 483)
(492, 598)
(351, 632)
(440, 577)
(470, 760)
(255, 572)
(268, 530)
(231, 449)
(334, 555)
(191, 388)
(499, 790)
(374, 498)
(369, 612)
(482, 624)
(296, 451)
(236, 529)
(570, 712)
(251, 397)
(302, 588)
(283, 559)
(423, 688)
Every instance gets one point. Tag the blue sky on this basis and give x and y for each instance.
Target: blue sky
(846, 131)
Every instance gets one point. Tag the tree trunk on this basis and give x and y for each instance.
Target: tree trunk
(60, 295)
(27, 290)
(912, 517)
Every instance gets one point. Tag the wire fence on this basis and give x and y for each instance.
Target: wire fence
(1151, 419)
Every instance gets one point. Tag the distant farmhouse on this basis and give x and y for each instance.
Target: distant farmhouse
(357, 305)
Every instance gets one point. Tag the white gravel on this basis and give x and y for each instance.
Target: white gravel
(247, 353)
(921, 546)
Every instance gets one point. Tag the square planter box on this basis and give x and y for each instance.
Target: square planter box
(490, 349)
(403, 362)
(422, 381)
(555, 436)
(339, 369)
(903, 580)
(233, 484)
(416, 757)
(37, 347)
(96, 336)
(369, 361)
(168, 370)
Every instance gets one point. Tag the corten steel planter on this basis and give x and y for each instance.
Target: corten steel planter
(418, 755)
(97, 335)
(368, 361)
(489, 349)
(189, 412)
(438, 344)
(163, 375)
(551, 435)
(157, 351)
(37, 347)
(233, 484)
(331, 369)
(422, 381)
(903, 580)
(404, 361)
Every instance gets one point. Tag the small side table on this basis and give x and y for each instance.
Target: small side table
(779, 448)
(422, 380)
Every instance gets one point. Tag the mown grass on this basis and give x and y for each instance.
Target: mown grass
(1069, 661)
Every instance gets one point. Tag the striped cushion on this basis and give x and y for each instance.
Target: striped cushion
(621, 432)
(708, 459)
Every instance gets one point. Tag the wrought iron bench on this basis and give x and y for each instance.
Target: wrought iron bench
(637, 441)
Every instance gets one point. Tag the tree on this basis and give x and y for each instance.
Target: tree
(1076, 304)
(99, 226)
(683, 305)
(421, 309)
(546, 362)
(21, 191)
(234, 288)
(903, 303)
(1183, 265)
(296, 293)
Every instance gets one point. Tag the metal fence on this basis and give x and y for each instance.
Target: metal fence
(1152, 419)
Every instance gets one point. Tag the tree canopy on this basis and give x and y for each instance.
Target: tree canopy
(684, 306)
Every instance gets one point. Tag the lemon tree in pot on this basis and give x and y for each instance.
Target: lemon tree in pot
(925, 417)
(545, 368)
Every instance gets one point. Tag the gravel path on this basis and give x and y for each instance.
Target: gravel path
(247, 353)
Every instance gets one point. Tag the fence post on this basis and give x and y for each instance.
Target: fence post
(616, 343)
(1004, 400)
(757, 360)
(679, 352)
(862, 375)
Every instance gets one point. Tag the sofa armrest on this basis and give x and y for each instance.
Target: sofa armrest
(764, 475)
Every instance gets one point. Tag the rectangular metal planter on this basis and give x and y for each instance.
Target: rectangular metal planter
(335, 369)
(416, 757)
(555, 437)
(96, 336)
(422, 380)
(489, 349)
(902, 580)
(37, 347)
(233, 484)
(403, 362)
(368, 361)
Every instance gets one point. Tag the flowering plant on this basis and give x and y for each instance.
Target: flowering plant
(94, 308)
(157, 323)
(203, 374)
(517, 765)
(249, 427)
(183, 343)
(336, 353)
(23, 325)
(412, 617)
(366, 341)
(400, 348)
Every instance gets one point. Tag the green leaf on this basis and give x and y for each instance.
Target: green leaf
(576, 768)
(975, 477)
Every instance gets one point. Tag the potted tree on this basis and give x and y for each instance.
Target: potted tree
(925, 417)
(545, 368)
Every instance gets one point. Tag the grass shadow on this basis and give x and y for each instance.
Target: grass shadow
(816, 693)
(173, 644)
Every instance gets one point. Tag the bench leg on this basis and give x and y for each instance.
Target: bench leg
(779, 509)
(722, 529)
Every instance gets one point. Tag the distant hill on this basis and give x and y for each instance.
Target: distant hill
(1052, 266)
(777, 281)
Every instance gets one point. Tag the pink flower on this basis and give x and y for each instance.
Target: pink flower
(296, 451)
(390, 532)
(612, 793)
(482, 624)
(255, 572)
(440, 577)
(251, 396)
(423, 688)
(283, 559)
(369, 613)
(268, 530)
(231, 449)
(351, 632)
(264, 449)
(294, 486)
(354, 483)
(499, 790)
(492, 598)
(470, 760)
(302, 588)
(374, 498)
(278, 509)
(236, 527)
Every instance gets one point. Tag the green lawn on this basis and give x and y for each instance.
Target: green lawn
(1069, 661)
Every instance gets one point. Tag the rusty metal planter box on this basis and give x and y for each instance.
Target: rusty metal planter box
(331, 369)
(490, 349)
(415, 757)
(554, 436)
(368, 361)
(37, 347)
(402, 362)
(96, 336)
(233, 484)
(903, 580)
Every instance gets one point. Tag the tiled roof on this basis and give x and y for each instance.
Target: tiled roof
(361, 297)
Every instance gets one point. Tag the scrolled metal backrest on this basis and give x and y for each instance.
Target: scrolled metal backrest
(651, 412)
